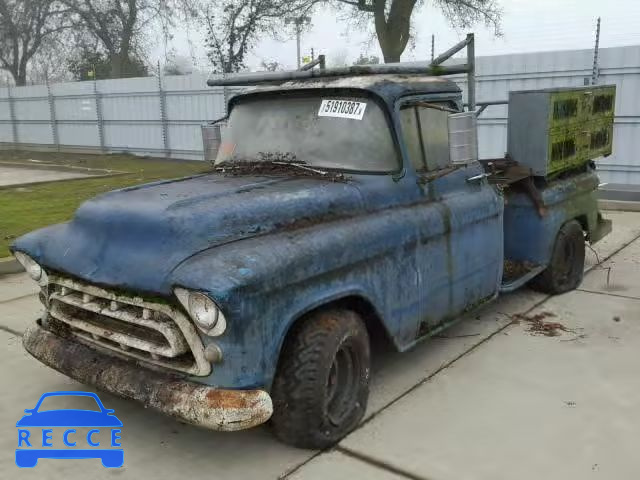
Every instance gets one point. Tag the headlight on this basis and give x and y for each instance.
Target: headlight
(204, 312)
(34, 270)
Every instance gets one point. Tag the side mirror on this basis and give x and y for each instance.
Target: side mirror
(463, 138)
(28, 410)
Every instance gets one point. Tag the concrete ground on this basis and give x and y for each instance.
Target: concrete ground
(487, 399)
(19, 176)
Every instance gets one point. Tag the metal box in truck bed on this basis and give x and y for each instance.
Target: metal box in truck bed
(558, 129)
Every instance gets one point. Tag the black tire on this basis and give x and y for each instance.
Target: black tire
(321, 387)
(566, 268)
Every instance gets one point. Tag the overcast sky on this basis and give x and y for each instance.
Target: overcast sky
(528, 25)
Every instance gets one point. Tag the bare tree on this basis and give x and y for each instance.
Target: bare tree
(118, 25)
(234, 26)
(24, 26)
(392, 19)
(50, 63)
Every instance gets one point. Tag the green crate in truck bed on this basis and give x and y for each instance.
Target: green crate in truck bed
(558, 129)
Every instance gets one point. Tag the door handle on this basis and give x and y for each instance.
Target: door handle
(478, 178)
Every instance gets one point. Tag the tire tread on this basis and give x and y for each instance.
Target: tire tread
(297, 387)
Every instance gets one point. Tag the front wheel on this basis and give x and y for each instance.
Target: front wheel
(321, 387)
(566, 268)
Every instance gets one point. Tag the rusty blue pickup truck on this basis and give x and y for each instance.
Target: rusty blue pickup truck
(341, 206)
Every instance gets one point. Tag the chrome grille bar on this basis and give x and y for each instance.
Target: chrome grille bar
(173, 345)
(154, 332)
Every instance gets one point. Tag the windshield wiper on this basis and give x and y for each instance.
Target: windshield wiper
(300, 165)
(268, 164)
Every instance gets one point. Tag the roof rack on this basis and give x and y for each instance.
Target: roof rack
(435, 68)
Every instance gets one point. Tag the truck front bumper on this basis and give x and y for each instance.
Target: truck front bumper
(194, 403)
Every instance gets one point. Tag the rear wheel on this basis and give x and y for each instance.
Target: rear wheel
(322, 384)
(566, 268)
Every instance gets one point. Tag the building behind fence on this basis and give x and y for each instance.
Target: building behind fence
(161, 116)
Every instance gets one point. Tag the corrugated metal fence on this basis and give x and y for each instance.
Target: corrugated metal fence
(145, 116)
(162, 116)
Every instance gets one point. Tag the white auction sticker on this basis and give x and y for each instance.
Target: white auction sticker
(342, 109)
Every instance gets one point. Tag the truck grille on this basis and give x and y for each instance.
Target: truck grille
(153, 332)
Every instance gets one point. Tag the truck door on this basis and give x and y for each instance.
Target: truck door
(471, 214)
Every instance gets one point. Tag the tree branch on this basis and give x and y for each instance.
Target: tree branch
(361, 5)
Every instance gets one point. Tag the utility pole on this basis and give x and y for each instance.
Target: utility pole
(299, 22)
(433, 46)
(596, 71)
(298, 44)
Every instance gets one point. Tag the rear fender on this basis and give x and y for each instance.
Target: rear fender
(530, 237)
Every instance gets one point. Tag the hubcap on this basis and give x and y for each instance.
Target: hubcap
(565, 269)
(342, 385)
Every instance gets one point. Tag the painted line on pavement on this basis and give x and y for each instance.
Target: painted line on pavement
(295, 468)
(378, 463)
(11, 331)
(609, 294)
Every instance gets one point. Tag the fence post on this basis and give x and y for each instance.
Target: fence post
(596, 70)
(52, 114)
(14, 122)
(99, 119)
(163, 114)
(225, 97)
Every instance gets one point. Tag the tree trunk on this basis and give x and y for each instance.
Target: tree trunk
(18, 70)
(393, 29)
(118, 65)
(21, 79)
(19, 76)
(390, 51)
(22, 70)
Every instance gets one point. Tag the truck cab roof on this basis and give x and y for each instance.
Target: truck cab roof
(388, 87)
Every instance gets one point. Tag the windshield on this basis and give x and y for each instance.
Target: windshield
(333, 132)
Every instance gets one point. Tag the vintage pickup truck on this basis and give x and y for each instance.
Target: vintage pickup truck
(334, 212)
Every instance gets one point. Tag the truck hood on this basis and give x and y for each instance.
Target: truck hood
(133, 238)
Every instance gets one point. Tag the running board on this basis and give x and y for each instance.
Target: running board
(520, 281)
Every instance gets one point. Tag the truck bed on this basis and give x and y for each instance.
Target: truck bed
(535, 209)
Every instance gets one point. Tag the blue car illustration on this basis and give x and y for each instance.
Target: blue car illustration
(28, 457)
